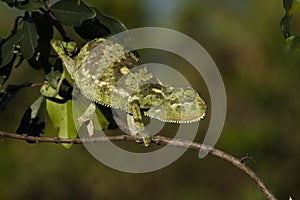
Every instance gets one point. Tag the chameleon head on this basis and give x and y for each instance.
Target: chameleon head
(179, 105)
(65, 50)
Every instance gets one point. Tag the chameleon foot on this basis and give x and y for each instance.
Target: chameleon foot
(144, 140)
(138, 131)
(147, 141)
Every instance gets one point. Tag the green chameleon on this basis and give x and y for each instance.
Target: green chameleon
(107, 73)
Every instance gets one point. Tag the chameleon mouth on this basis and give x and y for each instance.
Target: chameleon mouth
(179, 120)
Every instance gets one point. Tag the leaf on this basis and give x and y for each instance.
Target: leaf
(8, 1)
(115, 26)
(91, 29)
(104, 114)
(72, 12)
(29, 40)
(33, 120)
(8, 47)
(57, 88)
(61, 116)
(36, 106)
(9, 92)
(32, 5)
(66, 90)
(27, 37)
(44, 30)
(100, 26)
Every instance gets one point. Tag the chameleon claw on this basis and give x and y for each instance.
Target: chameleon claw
(144, 140)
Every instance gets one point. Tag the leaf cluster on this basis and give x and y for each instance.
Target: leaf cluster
(29, 42)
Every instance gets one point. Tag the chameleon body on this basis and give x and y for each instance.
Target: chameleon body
(108, 75)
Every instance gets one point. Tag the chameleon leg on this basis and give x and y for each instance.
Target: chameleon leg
(132, 128)
(87, 116)
(135, 122)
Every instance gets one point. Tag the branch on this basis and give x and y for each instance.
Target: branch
(158, 140)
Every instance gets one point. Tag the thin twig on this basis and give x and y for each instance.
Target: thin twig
(159, 140)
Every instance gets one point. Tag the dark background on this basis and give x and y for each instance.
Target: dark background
(262, 83)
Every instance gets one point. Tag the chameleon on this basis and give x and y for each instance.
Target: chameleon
(107, 73)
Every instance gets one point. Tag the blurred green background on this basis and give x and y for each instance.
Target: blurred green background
(262, 81)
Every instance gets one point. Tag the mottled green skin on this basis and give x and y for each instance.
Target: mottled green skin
(109, 76)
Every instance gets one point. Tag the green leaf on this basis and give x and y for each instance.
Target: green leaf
(72, 12)
(33, 120)
(48, 91)
(36, 107)
(100, 26)
(57, 87)
(29, 40)
(115, 26)
(91, 29)
(8, 1)
(8, 47)
(61, 116)
(32, 5)
(44, 30)
(27, 37)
